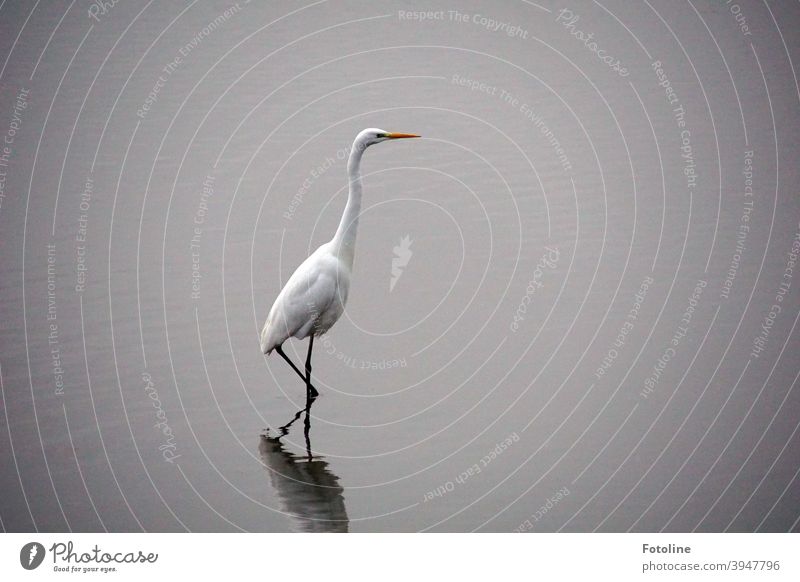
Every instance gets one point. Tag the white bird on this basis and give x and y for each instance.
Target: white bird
(315, 295)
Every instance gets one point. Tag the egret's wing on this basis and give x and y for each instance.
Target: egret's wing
(309, 302)
(308, 293)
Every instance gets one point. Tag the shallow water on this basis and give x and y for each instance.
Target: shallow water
(571, 338)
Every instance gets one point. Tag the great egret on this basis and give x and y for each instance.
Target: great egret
(314, 297)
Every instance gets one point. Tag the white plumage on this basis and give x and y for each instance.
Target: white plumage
(312, 300)
(315, 296)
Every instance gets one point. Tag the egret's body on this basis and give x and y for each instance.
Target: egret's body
(315, 296)
(312, 300)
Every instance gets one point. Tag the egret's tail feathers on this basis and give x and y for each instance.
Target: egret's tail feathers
(265, 340)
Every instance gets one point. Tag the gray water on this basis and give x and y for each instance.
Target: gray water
(561, 316)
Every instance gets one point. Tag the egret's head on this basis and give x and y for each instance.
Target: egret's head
(374, 135)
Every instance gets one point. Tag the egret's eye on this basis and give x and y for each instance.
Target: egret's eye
(380, 135)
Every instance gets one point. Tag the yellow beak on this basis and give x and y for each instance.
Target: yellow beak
(401, 135)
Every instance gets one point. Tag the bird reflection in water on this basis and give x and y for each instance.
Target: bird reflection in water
(308, 491)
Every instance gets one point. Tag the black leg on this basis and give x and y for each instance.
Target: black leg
(307, 424)
(279, 349)
(309, 388)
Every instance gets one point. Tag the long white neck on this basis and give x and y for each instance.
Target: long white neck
(344, 242)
